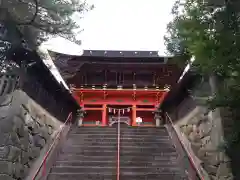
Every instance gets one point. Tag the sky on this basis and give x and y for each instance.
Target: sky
(122, 25)
(126, 25)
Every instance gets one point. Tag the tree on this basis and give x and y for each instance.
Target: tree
(211, 35)
(29, 22)
(209, 31)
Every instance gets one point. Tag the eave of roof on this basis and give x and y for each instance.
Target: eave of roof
(122, 54)
(132, 57)
(122, 60)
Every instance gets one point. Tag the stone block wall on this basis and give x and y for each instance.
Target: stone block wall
(202, 131)
(25, 130)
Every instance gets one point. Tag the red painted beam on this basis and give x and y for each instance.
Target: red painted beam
(146, 109)
(120, 103)
(118, 97)
(93, 109)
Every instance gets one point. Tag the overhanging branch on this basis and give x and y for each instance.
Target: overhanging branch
(34, 16)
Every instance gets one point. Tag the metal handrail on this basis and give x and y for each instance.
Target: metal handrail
(185, 149)
(118, 150)
(43, 163)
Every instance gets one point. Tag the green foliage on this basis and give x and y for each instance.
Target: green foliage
(29, 22)
(211, 35)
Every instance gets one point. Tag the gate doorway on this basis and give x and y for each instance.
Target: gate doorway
(124, 120)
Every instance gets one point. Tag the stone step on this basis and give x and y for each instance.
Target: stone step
(112, 142)
(122, 143)
(126, 139)
(114, 130)
(70, 157)
(91, 153)
(78, 176)
(90, 146)
(134, 135)
(123, 128)
(143, 134)
(131, 146)
(162, 163)
(111, 170)
(124, 133)
(95, 131)
(100, 163)
(137, 149)
(94, 128)
(113, 152)
(161, 157)
(84, 170)
(153, 177)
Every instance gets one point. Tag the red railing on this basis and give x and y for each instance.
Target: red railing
(118, 147)
(191, 159)
(43, 166)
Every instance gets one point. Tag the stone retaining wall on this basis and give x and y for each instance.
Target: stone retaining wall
(201, 130)
(25, 129)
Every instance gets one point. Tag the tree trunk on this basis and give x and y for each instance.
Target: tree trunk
(217, 128)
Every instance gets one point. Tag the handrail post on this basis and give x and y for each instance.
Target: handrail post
(118, 148)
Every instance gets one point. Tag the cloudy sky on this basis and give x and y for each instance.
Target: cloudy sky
(122, 25)
(126, 25)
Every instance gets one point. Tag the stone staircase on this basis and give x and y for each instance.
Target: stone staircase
(148, 154)
(91, 153)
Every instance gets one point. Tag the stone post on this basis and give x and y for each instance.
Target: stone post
(80, 115)
(157, 118)
(158, 122)
(217, 130)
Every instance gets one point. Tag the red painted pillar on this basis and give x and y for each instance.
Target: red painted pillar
(104, 115)
(134, 115)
